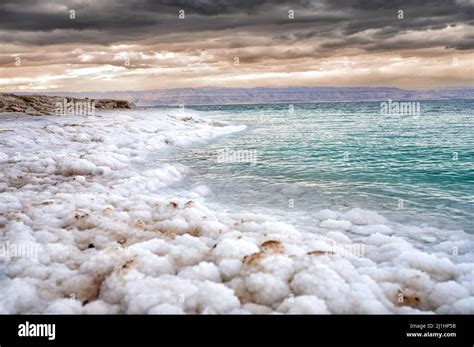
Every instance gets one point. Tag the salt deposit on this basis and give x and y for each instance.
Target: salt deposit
(94, 196)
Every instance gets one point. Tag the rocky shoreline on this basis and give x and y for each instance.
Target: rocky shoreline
(55, 105)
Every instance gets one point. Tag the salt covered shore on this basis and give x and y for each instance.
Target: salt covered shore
(109, 234)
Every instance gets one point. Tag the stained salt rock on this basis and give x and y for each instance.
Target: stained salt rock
(229, 248)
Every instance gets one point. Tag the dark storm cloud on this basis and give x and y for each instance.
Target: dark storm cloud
(108, 22)
(127, 44)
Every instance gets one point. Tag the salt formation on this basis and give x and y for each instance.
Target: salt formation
(94, 197)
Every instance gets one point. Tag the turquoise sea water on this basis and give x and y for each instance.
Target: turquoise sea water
(414, 169)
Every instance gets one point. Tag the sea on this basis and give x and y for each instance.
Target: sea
(413, 164)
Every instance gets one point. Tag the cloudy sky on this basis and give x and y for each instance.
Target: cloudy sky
(104, 45)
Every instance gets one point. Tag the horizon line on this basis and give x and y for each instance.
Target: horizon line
(248, 88)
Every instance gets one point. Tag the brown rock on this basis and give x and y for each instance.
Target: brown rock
(46, 105)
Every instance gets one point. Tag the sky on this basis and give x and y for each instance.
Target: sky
(105, 45)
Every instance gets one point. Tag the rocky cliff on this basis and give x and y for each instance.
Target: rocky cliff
(43, 105)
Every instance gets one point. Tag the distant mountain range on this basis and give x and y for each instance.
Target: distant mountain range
(268, 95)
